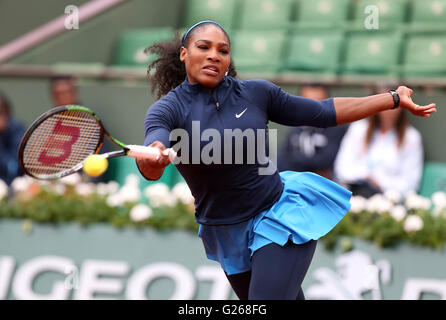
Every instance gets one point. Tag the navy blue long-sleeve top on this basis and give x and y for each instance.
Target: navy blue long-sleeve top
(227, 191)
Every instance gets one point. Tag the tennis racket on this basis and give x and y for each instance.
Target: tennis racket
(58, 142)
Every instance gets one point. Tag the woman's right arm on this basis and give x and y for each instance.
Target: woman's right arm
(153, 169)
(352, 109)
(158, 123)
(290, 110)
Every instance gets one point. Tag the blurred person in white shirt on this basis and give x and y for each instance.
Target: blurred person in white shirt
(379, 154)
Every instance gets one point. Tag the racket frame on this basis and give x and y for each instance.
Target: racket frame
(79, 166)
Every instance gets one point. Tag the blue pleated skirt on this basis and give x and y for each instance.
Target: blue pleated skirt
(309, 207)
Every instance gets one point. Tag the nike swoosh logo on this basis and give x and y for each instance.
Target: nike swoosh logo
(240, 114)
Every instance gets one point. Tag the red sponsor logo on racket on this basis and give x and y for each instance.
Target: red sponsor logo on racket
(57, 144)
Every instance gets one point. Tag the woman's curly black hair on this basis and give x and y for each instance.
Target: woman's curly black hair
(168, 71)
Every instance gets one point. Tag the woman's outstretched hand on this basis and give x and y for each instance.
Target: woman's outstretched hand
(407, 103)
(152, 169)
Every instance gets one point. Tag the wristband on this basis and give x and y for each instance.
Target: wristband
(396, 99)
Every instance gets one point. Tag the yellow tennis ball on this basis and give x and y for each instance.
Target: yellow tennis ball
(95, 165)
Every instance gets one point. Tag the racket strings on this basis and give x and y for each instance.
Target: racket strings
(61, 142)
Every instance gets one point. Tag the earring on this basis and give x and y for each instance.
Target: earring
(226, 73)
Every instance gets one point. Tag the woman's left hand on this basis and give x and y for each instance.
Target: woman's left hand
(407, 103)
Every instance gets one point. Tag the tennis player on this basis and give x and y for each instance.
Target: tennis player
(261, 228)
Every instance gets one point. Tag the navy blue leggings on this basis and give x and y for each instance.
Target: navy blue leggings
(277, 272)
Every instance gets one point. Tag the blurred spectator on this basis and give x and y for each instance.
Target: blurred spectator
(63, 91)
(309, 148)
(379, 154)
(11, 132)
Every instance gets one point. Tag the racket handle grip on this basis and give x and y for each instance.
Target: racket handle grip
(143, 152)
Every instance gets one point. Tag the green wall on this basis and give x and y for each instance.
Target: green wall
(20, 16)
(94, 40)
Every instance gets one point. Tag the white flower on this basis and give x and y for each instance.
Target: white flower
(415, 201)
(379, 204)
(102, 189)
(413, 223)
(132, 180)
(72, 179)
(358, 204)
(84, 189)
(105, 189)
(43, 183)
(437, 211)
(159, 195)
(182, 193)
(398, 212)
(140, 212)
(156, 189)
(21, 184)
(58, 188)
(130, 193)
(439, 199)
(393, 195)
(3, 190)
(439, 202)
(112, 187)
(115, 200)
